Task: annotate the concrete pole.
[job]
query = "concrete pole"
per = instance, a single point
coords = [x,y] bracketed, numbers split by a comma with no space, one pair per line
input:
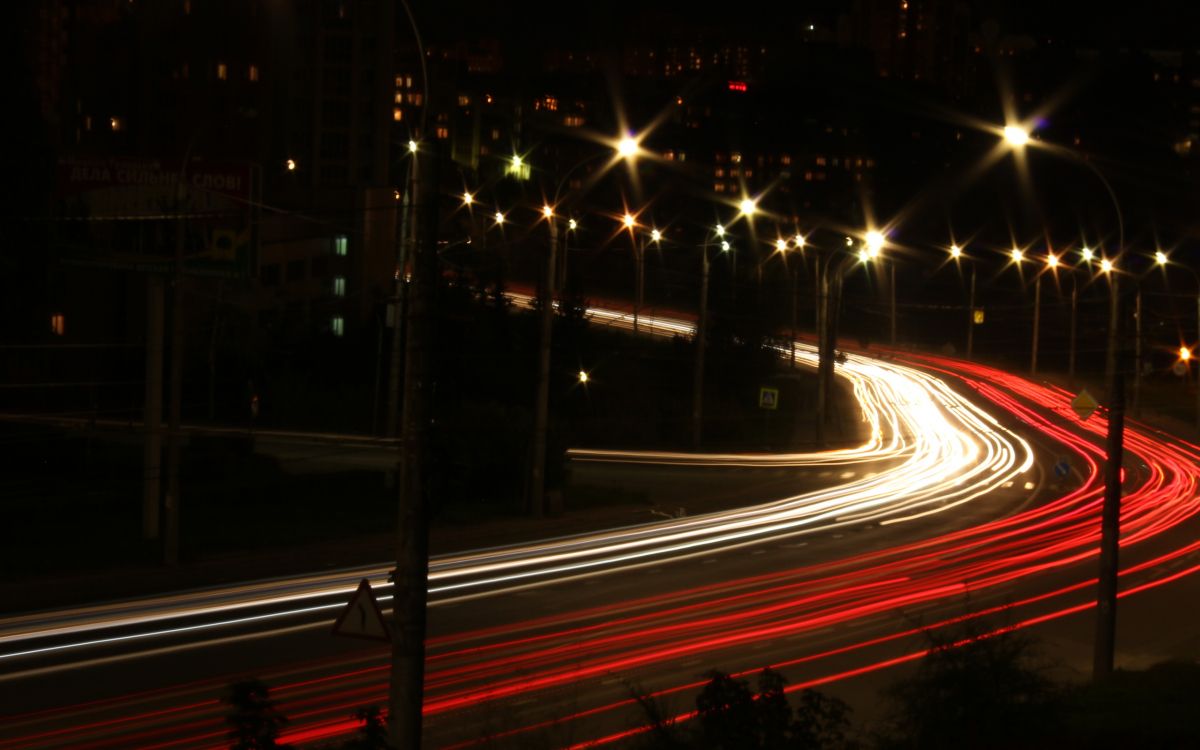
[172,501]
[411,575]
[1037,323]
[639,258]
[1074,323]
[152,455]
[795,302]
[698,366]
[971,316]
[1137,356]
[537,474]
[892,268]
[408,209]
[1110,517]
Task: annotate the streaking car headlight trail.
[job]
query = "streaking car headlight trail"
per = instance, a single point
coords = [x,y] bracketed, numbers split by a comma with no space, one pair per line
[948,452]
[837,616]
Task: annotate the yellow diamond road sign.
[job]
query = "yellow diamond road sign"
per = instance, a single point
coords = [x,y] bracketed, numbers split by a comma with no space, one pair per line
[1084,404]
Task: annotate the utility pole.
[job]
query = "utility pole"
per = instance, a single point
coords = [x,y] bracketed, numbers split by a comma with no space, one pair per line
[1198,371]
[171,504]
[411,575]
[892,268]
[152,452]
[1137,357]
[698,366]
[403,252]
[1037,322]
[639,252]
[1071,345]
[1110,516]
[795,302]
[971,315]
[537,476]
[831,287]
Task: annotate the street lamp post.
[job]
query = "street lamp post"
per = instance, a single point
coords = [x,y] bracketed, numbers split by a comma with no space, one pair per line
[542,398]
[971,316]
[1106,593]
[701,340]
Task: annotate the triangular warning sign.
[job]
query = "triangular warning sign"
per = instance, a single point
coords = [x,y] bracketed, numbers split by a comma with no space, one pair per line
[1084,404]
[361,618]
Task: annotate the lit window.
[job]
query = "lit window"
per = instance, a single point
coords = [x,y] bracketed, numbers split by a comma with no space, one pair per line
[187,7]
[222,71]
[399,81]
[397,114]
[87,122]
[337,325]
[443,133]
[463,100]
[736,158]
[785,159]
[57,324]
[821,161]
[340,244]
[408,82]
[339,286]
[719,187]
[495,134]
[252,73]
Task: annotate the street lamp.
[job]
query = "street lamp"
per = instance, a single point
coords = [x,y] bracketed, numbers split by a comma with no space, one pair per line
[1185,353]
[956,254]
[537,483]
[1017,138]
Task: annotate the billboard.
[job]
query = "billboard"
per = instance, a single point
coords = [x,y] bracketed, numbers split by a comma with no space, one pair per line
[127,213]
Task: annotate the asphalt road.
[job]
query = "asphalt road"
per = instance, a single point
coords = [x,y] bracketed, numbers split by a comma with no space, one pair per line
[839,602]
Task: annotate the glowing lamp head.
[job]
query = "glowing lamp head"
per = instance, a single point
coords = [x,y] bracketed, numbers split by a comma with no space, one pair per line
[1016,136]
[583,377]
[720,231]
[1160,257]
[874,240]
[290,164]
[628,221]
[955,251]
[1087,254]
[799,241]
[1017,255]
[412,146]
[499,217]
[655,235]
[724,246]
[1184,354]
[627,147]
[467,198]
[864,255]
[572,224]
[748,206]
[1051,260]
[780,245]
[547,211]
[517,161]
[1106,265]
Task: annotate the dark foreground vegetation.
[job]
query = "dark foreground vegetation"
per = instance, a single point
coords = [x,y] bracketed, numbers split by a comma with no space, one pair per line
[987,693]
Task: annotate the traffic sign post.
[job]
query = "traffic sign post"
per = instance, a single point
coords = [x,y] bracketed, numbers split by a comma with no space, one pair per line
[1062,468]
[768,398]
[1084,405]
[362,618]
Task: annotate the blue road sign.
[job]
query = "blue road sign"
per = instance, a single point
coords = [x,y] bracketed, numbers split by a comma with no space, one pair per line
[1062,468]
